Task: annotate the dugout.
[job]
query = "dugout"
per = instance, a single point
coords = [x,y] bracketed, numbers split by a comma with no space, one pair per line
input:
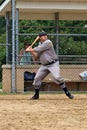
[14,10]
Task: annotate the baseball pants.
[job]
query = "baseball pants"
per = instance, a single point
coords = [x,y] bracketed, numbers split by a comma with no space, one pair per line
[44,70]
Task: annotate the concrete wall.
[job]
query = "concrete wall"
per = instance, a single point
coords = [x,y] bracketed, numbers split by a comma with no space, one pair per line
[69,72]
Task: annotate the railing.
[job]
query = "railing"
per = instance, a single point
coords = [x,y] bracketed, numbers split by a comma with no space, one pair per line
[67,59]
[73,59]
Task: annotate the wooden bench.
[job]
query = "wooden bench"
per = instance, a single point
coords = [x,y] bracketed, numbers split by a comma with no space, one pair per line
[71,75]
[69,72]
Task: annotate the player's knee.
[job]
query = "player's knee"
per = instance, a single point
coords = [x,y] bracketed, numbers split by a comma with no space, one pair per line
[60,80]
[37,82]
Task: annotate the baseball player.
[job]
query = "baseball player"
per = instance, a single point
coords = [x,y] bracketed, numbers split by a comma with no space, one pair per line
[49,64]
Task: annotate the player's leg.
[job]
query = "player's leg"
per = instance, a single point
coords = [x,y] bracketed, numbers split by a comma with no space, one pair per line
[55,71]
[40,75]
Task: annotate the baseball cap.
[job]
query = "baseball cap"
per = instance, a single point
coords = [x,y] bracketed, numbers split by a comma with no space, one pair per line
[42,34]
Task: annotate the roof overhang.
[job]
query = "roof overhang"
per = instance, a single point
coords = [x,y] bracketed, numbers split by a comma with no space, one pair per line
[46,9]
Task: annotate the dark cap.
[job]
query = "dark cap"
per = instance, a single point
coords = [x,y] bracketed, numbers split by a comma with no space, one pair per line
[42,34]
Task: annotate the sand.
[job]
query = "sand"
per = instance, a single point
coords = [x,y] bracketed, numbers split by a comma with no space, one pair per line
[50,112]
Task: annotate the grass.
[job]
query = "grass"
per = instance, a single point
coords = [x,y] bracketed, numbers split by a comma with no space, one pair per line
[0,85]
[43,92]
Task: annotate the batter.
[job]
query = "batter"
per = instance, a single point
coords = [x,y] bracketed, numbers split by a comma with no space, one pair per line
[49,64]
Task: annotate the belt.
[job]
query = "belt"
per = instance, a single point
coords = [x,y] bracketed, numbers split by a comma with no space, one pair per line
[51,62]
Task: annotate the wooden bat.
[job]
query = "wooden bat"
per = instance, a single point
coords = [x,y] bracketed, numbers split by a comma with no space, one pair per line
[33,43]
[35,40]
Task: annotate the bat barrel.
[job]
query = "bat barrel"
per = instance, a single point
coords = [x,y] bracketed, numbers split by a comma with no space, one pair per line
[35,40]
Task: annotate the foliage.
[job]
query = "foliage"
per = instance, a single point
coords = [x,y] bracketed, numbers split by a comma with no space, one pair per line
[72,45]
[2,25]
[1,1]
[0,85]
[32,27]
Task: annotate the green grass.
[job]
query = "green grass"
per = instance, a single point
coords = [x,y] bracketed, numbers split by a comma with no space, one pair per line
[0,85]
[43,92]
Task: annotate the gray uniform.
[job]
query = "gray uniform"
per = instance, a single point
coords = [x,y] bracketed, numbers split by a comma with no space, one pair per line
[49,64]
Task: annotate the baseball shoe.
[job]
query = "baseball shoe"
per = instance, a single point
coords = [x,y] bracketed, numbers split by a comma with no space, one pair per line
[35,97]
[68,94]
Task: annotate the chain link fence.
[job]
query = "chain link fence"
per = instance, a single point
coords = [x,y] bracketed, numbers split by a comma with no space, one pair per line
[70,48]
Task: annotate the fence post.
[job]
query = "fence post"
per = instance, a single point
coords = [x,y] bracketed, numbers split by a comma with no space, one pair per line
[57,32]
[13,46]
[17,36]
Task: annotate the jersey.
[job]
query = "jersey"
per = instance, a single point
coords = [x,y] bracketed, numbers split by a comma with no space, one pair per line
[46,52]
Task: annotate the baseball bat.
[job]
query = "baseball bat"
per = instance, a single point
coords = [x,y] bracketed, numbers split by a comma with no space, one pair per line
[35,40]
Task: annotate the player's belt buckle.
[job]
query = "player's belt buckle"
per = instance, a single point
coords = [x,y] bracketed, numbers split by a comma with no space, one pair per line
[51,62]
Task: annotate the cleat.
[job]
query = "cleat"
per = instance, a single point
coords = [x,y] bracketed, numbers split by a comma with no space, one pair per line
[35,97]
[69,95]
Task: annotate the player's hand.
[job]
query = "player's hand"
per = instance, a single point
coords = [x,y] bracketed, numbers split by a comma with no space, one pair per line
[29,48]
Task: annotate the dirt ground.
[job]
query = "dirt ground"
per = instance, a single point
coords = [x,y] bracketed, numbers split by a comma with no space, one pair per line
[50,112]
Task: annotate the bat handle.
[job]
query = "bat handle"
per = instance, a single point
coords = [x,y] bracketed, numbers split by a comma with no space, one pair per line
[35,40]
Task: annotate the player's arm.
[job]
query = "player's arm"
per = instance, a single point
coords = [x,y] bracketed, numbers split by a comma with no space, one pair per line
[32,51]
[44,46]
